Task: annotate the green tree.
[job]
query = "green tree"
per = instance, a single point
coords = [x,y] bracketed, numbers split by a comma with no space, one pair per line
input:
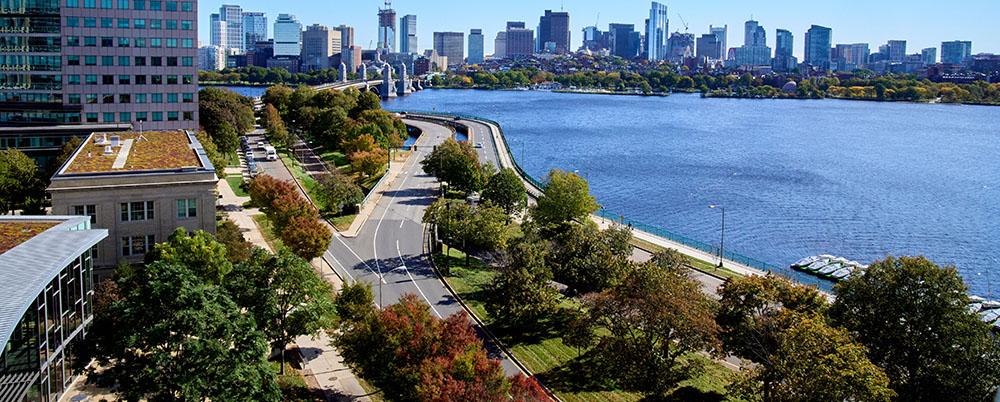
[506,190]
[275,128]
[655,316]
[520,295]
[481,228]
[169,321]
[590,260]
[913,316]
[366,101]
[199,251]
[219,161]
[18,180]
[65,152]
[457,164]
[567,198]
[285,296]
[338,191]
[225,115]
[278,96]
[355,303]
[238,249]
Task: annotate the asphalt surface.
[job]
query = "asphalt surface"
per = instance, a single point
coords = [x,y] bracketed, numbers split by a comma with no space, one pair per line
[389,252]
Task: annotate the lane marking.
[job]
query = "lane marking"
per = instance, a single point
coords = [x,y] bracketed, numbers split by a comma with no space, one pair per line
[414,281]
[341,266]
[355,255]
[379,225]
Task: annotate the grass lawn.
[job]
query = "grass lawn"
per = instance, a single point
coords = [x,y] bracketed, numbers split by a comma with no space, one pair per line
[236,183]
[234,159]
[559,366]
[267,229]
[337,158]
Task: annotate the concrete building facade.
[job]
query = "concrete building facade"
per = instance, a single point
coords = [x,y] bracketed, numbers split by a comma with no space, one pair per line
[319,42]
[452,46]
[476,52]
[553,27]
[408,34]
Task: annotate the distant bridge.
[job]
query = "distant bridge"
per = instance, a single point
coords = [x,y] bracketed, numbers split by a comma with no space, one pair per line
[385,88]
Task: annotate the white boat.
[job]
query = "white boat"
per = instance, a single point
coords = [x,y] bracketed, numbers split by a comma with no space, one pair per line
[989,316]
[805,261]
[841,274]
[829,269]
[990,305]
[816,266]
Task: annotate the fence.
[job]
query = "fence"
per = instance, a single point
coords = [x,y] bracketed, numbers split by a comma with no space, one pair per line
[664,233]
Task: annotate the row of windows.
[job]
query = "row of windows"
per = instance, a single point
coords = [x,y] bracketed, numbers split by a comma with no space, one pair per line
[125,23]
[138,61]
[108,41]
[92,79]
[137,245]
[127,117]
[153,5]
[140,211]
[92,99]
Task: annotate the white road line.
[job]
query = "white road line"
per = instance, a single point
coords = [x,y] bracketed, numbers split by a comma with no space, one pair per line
[414,281]
[401,222]
[379,225]
[357,256]
[334,258]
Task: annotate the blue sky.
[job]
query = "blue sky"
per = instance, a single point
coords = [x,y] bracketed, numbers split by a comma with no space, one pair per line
[923,23]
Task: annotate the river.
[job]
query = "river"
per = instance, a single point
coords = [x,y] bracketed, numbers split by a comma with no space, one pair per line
[861,180]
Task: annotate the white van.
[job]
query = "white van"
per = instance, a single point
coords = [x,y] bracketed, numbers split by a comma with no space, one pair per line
[270,153]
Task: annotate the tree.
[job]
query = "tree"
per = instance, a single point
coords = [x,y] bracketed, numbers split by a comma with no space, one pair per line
[168,321]
[337,191]
[755,311]
[277,133]
[285,296]
[655,316]
[199,251]
[590,260]
[279,96]
[355,304]
[913,316]
[411,355]
[366,101]
[368,163]
[482,228]
[520,295]
[288,207]
[457,164]
[307,237]
[264,190]
[65,152]
[18,180]
[567,198]
[361,143]
[238,249]
[219,161]
[506,190]
[225,115]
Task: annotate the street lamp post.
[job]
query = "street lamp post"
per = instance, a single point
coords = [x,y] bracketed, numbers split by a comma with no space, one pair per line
[722,241]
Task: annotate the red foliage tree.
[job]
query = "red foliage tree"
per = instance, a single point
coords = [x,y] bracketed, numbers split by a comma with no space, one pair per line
[264,190]
[289,206]
[307,237]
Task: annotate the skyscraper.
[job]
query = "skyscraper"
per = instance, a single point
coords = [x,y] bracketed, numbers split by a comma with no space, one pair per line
[929,55]
[709,47]
[593,39]
[956,52]
[408,34]
[722,34]
[520,41]
[849,57]
[818,43]
[754,34]
[451,45]
[230,34]
[254,29]
[346,36]
[387,27]
[554,27]
[500,45]
[476,53]
[754,51]
[656,32]
[897,51]
[679,47]
[287,36]
[623,41]
[64,72]
[317,46]
[784,45]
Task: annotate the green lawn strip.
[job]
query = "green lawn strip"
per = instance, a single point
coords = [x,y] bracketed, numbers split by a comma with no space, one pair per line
[236,183]
[336,158]
[267,230]
[233,159]
[308,182]
[548,355]
[373,394]
[700,265]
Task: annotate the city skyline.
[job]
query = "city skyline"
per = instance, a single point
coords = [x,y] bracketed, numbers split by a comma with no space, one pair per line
[850,22]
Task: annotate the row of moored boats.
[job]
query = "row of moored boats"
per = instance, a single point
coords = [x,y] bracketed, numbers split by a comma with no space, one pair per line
[837,269]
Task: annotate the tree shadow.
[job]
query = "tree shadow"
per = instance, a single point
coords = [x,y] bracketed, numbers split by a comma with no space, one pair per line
[585,373]
[687,394]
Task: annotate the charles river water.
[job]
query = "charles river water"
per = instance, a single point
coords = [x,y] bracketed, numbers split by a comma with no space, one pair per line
[861,180]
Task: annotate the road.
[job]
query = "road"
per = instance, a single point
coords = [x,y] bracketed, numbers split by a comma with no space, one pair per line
[388,252]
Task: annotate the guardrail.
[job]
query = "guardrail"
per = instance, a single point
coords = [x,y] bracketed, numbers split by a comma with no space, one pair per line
[658,231]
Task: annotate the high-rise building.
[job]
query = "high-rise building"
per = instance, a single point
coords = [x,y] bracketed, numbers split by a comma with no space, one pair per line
[721,33]
[956,52]
[59,69]
[408,34]
[254,28]
[211,58]
[48,303]
[680,46]
[784,46]
[287,36]
[476,53]
[754,51]
[657,29]
[708,47]
[520,41]
[623,40]
[754,34]
[451,45]
[227,28]
[897,50]
[594,39]
[346,36]
[500,45]
[819,41]
[351,57]
[318,46]
[387,28]
[554,27]
[849,57]
[929,55]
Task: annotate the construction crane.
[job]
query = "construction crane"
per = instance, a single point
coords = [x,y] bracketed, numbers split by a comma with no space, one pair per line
[683,22]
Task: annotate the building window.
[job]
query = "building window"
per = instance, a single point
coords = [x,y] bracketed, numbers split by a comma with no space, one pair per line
[173,116]
[140,80]
[72,22]
[171,42]
[187,43]
[123,60]
[107,22]
[137,245]
[107,41]
[72,3]
[187,208]
[139,4]
[107,4]
[72,60]
[72,41]
[188,116]
[157,116]
[140,42]
[125,98]
[157,98]
[187,25]
[123,42]
[89,3]
[109,117]
[90,60]
[73,79]
[171,62]
[171,98]
[155,42]
[156,24]
[124,79]
[156,5]
[140,98]
[74,99]
[188,98]
[91,117]
[91,99]
[187,61]
[140,61]
[86,210]
[137,211]
[171,25]
[187,6]
[89,22]
[171,80]
[123,23]
[108,79]
[91,79]
[141,116]
[123,4]
[108,98]
[125,117]
[90,41]
[139,23]
[155,61]
[171,6]
[107,60]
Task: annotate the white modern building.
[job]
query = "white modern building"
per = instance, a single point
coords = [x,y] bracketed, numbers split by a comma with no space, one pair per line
[287,36]
[254,28]
[658,29]
[211,58]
